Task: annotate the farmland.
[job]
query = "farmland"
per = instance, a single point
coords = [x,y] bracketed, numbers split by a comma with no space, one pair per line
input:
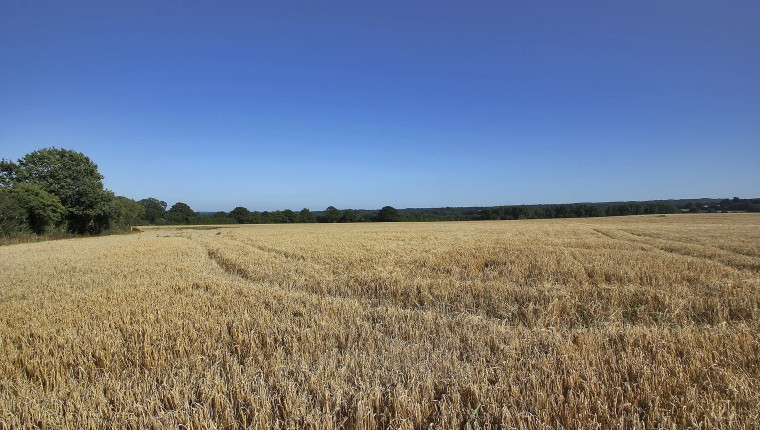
[634,322]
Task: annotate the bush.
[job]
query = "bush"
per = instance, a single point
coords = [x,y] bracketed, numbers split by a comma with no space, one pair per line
[28,208]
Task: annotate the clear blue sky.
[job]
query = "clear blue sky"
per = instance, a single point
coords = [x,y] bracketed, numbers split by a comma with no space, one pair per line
[361,104]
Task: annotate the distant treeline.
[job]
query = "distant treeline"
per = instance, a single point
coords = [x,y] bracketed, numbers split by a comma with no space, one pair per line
[733,205]
[576,211]
[55,191]
[242,215]
[180,213]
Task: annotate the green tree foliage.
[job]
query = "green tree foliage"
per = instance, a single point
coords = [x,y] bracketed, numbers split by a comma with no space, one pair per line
[275,217]
[305,215]
[388,214]
[44,210]
[7,173]
[216,218]
[70,176]
[125,213]
[288,216]
[580,210]
[155,209]
[181,213]
[257,217]
[13,216]
[332,214]
[738,205]
[241,215]
[28,208]
[349,216]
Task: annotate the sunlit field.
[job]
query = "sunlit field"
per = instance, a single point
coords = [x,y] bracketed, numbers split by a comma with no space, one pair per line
[632,322]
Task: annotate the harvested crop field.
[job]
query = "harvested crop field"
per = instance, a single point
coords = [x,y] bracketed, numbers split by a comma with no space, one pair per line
[631,322]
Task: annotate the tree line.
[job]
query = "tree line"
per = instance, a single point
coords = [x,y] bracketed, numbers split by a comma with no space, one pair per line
[180,213]
[60,191]
[726,205]
[54,190]
[575,210]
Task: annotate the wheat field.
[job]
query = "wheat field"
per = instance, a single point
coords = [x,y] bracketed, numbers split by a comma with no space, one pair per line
[631,322]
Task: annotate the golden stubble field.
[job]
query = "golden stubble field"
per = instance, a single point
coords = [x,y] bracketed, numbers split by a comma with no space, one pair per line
[634,322]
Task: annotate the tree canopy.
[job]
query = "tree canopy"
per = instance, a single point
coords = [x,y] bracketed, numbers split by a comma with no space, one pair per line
[71,177]
[332,214]
[125,213]
[181,213]
[155,209]
[388,214]
[241,215]
[305,215]
[28,208]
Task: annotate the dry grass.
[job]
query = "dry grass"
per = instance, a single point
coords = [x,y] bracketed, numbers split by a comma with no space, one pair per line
[637,322]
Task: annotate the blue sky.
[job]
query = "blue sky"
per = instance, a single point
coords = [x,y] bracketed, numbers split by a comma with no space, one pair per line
[361,104]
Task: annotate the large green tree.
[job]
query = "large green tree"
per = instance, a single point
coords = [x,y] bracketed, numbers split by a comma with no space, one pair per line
[155,209]
[241,215]
[181,213]
[70,176]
